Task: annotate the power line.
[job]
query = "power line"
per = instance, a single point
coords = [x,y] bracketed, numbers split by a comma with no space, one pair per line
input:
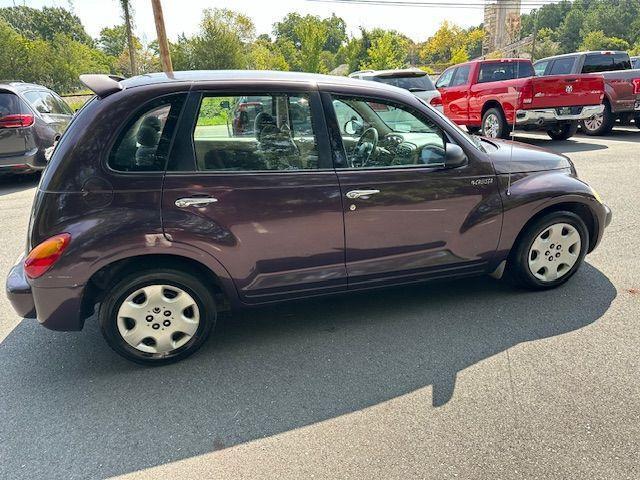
[442,4]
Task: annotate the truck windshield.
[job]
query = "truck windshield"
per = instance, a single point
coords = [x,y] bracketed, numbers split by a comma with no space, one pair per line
[413,83]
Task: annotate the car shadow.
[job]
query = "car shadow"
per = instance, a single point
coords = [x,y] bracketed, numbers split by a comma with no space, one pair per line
[564,146]
[16,183]
[71,407]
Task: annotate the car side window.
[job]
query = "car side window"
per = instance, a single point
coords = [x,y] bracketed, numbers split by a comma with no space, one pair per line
[255,133]
[445,78]
[390,135]
[540,68]
[45,102]
[595,63]
[461,77]
[562,66]
[144,143]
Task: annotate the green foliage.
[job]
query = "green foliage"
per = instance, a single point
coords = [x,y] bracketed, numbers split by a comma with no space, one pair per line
[387,51]
[452,44]
[599,41]
[293,24]
[113,40]
[546,44]
[46,23]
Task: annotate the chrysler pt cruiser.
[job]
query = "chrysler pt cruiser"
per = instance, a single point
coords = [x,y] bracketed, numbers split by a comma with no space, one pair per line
[172,198]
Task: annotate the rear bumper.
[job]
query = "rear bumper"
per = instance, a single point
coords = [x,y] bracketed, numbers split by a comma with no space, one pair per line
[551,115]
[56,308]
[31,161]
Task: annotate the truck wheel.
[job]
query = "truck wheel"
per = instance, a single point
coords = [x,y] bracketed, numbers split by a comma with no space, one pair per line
[157,316]
[637,120]
[563,131]
[549,251]
[599,124]
[494,125]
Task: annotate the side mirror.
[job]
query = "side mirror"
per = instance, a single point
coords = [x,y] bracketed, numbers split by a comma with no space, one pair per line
[454,156]
[353,127]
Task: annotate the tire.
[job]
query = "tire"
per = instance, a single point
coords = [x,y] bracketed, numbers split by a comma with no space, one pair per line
[599,124]
[637,120]
[563,131]
[175,337]
[519,271]
[494,124]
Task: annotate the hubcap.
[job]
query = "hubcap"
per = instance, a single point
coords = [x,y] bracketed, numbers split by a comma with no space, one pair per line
[491,126]
[595,122]
[554,252]
[158,318]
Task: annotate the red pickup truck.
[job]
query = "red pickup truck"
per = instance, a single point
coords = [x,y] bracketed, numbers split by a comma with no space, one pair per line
[493,96]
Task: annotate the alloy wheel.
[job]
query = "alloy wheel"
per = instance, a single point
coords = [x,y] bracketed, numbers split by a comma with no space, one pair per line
[594,123]
[158,318]
[491,126]
[554,252]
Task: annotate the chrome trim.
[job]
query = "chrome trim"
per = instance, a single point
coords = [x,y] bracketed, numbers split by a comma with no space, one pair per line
[548,115]
[194,202]
[364,194]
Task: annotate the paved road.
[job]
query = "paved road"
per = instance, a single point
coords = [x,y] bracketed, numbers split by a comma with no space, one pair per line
[464,380]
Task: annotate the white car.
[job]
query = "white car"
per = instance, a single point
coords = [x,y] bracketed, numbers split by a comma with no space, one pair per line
[415,80]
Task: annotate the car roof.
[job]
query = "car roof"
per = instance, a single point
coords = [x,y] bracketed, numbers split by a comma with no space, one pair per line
[18,86]
[575,54]
[104,85]
[390,72]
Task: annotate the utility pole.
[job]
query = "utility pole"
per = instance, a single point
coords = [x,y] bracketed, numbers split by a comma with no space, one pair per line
[163,43]
[132,49]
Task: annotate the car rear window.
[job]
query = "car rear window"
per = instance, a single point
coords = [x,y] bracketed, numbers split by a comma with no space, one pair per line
[500,71]
[562,66]
[46,102]
[144,143]
[413,83]
[606,62]
[10,104]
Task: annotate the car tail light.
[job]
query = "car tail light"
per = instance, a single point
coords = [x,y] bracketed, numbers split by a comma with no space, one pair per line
[526,94]
[436,102]
[16,120]
[42,257]
[636,86]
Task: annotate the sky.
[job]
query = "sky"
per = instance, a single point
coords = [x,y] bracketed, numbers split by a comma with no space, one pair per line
[183,16]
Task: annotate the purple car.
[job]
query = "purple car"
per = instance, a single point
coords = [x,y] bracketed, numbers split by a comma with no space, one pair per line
[156,215]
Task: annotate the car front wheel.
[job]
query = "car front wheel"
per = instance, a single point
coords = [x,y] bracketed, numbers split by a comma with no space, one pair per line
[157,316]
[549,252]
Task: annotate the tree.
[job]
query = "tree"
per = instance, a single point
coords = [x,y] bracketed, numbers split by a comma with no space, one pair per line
[599,41]
[546,44]
[265,56]
[223,42]
[460,56]
[569,33]
[113,40]
[289,27]
[312,35]
[387,51]
[128,24]
[352,54]
[46,23]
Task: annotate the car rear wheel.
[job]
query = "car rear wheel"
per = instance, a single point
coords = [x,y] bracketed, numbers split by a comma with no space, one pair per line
[549,252]
[494,124]
[563,131]
[599,124]
[157,316]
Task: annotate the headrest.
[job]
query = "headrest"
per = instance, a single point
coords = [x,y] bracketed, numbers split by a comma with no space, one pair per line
[149,132]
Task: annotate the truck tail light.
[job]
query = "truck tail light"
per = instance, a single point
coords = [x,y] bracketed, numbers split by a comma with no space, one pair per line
[42,257]
[436,102]
[526,94]
[636,86]
[16,120]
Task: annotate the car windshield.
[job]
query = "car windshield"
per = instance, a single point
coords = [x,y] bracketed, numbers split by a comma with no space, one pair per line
[413,83]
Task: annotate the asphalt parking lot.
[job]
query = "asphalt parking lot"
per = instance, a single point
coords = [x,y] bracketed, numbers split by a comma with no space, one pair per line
[470,379]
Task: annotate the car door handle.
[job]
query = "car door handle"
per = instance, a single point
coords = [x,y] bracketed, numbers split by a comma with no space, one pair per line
[195,202]
[364,194]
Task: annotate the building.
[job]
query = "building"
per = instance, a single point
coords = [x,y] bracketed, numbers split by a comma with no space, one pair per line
[502,23]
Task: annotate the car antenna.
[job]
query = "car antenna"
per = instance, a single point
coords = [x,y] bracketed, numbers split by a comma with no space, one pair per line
[513,127]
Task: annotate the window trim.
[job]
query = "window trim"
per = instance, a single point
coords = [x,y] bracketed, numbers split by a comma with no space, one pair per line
[131,119]
[188,123]
[332,124]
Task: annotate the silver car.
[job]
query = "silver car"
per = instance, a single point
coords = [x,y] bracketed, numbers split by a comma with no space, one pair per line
[415,80]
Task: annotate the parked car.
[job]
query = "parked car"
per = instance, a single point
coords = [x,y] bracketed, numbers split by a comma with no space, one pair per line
[622,84]
[415,80]
[635,63]
[32,119]
[494,96]
[157,229]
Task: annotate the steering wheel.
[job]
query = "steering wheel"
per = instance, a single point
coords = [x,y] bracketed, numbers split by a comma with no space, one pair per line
[364,149]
